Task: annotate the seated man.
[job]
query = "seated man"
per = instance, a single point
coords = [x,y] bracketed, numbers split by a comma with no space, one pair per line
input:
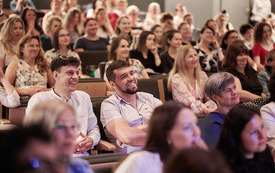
[126,113]
[221,88]
[65,72]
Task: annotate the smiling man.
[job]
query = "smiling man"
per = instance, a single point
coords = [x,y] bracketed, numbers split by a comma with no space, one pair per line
[65,72]
[125,114]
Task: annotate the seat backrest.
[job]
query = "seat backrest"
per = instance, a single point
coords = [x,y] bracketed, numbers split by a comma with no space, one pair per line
[101,67]
[92,58]
[149,86]
[95,87]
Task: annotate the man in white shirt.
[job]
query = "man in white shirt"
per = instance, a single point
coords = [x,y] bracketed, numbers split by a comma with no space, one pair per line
[65,72]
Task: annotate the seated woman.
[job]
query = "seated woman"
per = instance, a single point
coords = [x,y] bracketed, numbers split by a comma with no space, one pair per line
[186,34]
[11,32]
[30,20]
[61,44]
[264,76]
[31,73]
[59,119]
[221,88]
[243,142]
[8,95]
[105,29]
[90,41]
[120,51]
[172,127]
[262,43]
[228,38]
[268,116]
[209,51]
[172,41]
[186,81]
[235,62]
[152,16]
[147,52]
[158,32]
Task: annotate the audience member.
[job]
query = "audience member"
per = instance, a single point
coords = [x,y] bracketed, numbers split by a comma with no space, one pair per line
[158,32]
[17,6]
[53,23]
[105,29]
[11,32]
[172,40]
[264,76]
[243,142]
[31,73]
[221,25]
[270,19]
[73,24]
[235,62]
[246,31]
[118,11]
[188,18]
[268,116]
[180,12]
[227,38]
[166,21]
[260,9]
[8,95]
[196,160]
[65,72]
[152,16]
[186,34]
[3,15]
[172,127]
[90,41]
[30,20]
[221,88]
[120,51]
[147,52]
[132,12]
[208,49]
[126,113]
[68,4]
[263,43]
[186,81]
[91,7]
[59,119]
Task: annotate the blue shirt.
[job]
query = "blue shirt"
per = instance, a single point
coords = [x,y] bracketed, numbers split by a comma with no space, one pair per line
[78,165]
[211,127]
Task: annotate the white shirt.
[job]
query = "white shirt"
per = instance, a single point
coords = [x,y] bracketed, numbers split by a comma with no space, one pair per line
[141,162]
[83,107]
[9,100]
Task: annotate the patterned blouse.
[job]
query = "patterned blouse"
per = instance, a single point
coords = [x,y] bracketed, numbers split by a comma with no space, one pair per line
[28,78]
[192,97]
[51,54]
[208,63]
[135,64]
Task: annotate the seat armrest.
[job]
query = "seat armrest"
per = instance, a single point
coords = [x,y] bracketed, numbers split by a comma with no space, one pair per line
[105,146]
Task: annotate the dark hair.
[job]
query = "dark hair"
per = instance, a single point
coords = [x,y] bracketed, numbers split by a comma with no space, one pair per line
[162,120]
[188,14]
[208,21]
[236,48]
[181,24]
[15,141]
[245,27]
[87,20]
[155,27]
[23,16]
[166,16]
[56,39]
[269,58]
[225,37]
[196,160]
[258,31]
[114,66]
[59,62]
[207,27]
[168,35]
[230,142]
[115,43]
[142,40]
[271,86]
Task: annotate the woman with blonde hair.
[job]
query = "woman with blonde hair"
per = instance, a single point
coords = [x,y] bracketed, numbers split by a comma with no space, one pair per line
[186,81]
[152,16]
[31,73]
[59,119]
[11,32]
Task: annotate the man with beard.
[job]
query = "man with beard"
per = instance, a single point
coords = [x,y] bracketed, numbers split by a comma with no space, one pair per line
[125,114]
[66,75]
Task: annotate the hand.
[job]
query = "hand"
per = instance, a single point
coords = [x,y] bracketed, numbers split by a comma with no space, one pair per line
[83,144]
[263,95]
[200,143]
[143,127]
[35,90]
[215,44]
[154,49]
[149,70]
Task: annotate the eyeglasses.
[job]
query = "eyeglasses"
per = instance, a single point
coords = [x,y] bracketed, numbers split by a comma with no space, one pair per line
[59,58]
[32,45]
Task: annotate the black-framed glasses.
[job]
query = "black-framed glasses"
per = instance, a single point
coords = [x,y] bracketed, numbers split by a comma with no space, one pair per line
[59,58]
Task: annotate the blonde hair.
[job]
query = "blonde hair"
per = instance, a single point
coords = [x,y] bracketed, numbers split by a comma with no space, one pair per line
[7,35]
[180,68]
[45,114]
[49,23]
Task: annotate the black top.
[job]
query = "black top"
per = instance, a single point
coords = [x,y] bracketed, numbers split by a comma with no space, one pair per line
[167,62]
[147,63]
[193,43]
[249,81]
[91,45]
[46,42]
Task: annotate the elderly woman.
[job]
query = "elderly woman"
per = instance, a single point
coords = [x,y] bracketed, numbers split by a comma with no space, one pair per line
[60,121]
[264,76]
[152,16]
[243,142]
[186,81]
[31,73]
[172,127]
[268,116]
[221,88]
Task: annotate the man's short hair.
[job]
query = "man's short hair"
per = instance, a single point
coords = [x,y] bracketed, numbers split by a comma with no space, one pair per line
[113,66]
[244,28]
[61,61]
